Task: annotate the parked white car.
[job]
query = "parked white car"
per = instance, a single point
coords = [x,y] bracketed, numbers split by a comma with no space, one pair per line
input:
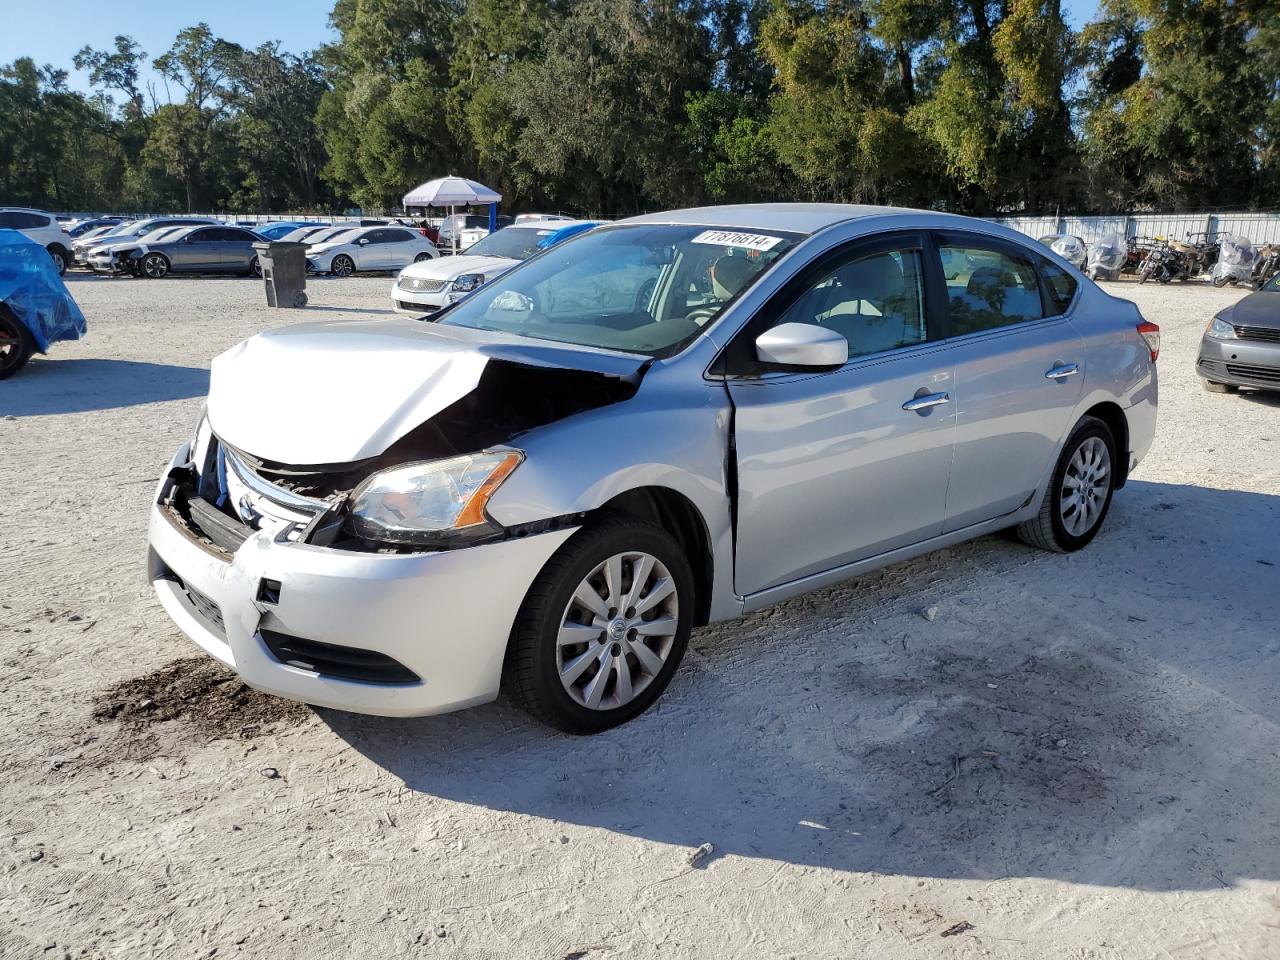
[369,248]
[41,227]
[432,285]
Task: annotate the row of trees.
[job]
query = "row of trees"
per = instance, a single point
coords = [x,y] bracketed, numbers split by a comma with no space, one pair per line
[613,106]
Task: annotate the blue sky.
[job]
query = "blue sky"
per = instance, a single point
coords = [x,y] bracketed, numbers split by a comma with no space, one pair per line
[52,31]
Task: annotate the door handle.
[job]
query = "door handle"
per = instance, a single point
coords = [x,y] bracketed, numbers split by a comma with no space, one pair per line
[1062,371]
[926,401]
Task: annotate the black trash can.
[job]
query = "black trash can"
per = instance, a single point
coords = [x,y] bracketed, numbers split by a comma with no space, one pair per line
[284,272]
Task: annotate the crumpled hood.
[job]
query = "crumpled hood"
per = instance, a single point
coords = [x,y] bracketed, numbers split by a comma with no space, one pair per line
[338,391]
[450,268]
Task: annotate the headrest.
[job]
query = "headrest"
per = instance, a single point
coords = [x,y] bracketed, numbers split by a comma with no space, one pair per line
[729,274]
[875,279]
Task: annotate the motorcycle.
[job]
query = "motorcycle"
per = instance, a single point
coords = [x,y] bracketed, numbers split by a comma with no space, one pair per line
[1162,264]
[1070,249]
[1235,261]
[1107,257]
[1266,266]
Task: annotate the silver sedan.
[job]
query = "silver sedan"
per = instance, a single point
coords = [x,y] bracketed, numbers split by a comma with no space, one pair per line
[668,421]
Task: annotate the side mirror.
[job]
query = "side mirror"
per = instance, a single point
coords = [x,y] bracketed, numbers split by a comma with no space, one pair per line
[362,241]
[802,345]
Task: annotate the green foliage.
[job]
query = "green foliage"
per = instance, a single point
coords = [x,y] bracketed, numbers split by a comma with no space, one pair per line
[615,106]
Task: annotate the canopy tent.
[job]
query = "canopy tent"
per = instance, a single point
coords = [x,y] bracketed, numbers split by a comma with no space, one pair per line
[454,192]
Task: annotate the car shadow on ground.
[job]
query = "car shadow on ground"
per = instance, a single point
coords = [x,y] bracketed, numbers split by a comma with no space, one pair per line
[1107,717]
[48,385]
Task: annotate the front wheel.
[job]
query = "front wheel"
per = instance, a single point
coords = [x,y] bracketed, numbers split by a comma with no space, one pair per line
[1214,387]
[1079,493]
[255,268]
[342,266]
[16,343]
[154,266]
[603,627]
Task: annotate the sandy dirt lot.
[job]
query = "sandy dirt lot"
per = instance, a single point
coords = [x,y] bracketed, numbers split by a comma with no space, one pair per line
[1079,757]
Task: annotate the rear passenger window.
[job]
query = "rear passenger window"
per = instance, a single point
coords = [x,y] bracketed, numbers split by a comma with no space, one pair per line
[989,289]
[1061,287]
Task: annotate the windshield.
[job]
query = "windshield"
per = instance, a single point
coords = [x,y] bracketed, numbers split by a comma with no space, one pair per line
[1273,285]
[639,288]
[516,243]
[161,232]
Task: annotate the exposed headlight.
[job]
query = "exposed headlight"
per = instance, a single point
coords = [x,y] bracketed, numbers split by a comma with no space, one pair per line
[1219,329]
[420,502]
[468,282]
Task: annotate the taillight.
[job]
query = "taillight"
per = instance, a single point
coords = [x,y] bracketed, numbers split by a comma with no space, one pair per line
[1149,332]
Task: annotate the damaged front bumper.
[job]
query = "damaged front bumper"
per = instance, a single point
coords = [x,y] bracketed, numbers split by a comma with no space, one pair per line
[390,634]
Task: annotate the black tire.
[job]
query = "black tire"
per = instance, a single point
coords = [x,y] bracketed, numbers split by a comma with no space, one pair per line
[1214,387]
[16,343]
[342,266]
[1220,281]
[255,268]
[1047,529]
[153,266]
[532,678]
[60,257]
[422,256]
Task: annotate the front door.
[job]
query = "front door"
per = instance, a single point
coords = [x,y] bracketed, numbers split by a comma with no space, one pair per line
[1019,368]
[838,466]
[199,251]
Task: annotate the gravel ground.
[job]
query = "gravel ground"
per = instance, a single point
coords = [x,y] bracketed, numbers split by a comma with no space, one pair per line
[1078,757]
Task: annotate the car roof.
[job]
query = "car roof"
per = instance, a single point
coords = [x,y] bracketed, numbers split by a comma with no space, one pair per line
[793,217]
[550,226]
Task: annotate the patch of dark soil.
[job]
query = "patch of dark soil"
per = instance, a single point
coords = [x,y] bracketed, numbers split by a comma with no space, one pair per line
[199,692]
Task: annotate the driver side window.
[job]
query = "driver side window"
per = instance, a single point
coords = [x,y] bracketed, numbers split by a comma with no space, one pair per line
[875,301]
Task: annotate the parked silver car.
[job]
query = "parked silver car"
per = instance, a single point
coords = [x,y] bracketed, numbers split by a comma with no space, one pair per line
[215,249]
[667,421]
[1241,345]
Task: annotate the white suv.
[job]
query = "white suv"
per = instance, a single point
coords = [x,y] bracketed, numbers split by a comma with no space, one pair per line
[43,228]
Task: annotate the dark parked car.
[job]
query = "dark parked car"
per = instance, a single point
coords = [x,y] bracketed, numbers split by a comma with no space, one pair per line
[213,249]
[1241,346]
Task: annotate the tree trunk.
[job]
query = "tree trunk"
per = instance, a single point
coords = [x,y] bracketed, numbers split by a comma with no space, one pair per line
[904,71]
[191,193]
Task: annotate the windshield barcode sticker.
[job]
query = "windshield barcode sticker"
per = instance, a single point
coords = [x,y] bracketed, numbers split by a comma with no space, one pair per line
[728,238]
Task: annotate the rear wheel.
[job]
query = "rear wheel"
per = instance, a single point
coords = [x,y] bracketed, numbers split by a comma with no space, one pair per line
[422,256]
[342,266]
[1214,387]
[1079,493]
[154,266]
[603,628]
[59,257]
[16,343]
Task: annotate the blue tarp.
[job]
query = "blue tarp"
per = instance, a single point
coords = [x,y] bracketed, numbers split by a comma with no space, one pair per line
[31,288]
[564,233]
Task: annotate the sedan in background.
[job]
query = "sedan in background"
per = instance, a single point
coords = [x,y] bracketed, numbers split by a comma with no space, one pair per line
[219,249]
[1241,346]
[84,252]
[426,287]
[369,249]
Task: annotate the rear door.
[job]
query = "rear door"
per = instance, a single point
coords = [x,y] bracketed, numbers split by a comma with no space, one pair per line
[398,249]
[1019,368]
[838,466]
[235,249]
